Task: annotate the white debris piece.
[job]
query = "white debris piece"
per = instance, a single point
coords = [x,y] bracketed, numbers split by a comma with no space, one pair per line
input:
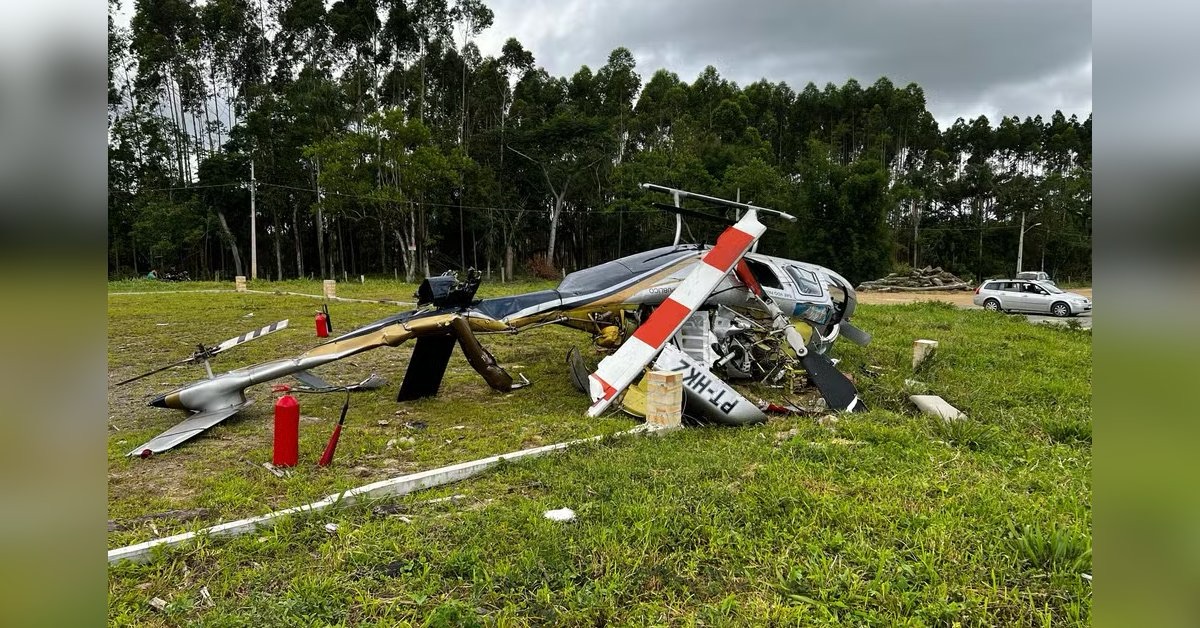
[158,603]
[935,405]
[331,528]
[562,514]
[922,350]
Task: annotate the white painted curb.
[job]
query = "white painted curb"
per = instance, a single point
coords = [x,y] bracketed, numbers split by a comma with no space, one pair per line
[395,486]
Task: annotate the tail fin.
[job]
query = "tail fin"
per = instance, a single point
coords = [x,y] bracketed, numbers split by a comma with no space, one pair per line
[426,368]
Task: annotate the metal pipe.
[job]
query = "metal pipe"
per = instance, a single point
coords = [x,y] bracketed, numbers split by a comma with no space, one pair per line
[678,222]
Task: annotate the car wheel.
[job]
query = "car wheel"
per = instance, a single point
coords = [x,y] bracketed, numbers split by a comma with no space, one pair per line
[1060,309]
[991,305]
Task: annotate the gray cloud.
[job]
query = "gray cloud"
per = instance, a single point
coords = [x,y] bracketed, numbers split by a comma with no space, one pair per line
[972,57]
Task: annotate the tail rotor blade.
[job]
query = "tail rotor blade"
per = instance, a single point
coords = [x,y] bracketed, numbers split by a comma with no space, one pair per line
[203,353]
[250,335]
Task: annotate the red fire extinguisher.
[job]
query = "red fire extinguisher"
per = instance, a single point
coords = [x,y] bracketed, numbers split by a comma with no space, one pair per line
[287,432]
[322,325]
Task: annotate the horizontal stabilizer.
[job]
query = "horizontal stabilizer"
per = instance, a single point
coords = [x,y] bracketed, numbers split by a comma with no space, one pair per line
[308,378]
[190,427]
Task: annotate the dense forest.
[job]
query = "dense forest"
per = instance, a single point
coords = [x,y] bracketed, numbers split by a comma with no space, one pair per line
[372,137]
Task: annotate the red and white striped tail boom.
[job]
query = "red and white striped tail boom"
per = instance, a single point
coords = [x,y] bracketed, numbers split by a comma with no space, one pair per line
[617,371]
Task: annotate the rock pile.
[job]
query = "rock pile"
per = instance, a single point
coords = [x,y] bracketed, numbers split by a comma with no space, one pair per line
[924,279]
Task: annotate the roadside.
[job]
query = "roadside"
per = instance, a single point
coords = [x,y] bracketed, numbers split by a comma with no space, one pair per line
[963,300]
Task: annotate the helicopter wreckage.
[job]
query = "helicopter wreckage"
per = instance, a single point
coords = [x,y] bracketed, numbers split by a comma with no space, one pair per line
[714,312]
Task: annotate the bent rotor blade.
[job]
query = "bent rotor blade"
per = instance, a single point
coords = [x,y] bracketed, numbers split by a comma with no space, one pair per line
[839,392]
[250,335]
[190,427]
[617,371]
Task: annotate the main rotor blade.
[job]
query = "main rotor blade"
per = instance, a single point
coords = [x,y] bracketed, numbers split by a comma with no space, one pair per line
[617,371]
[693,213]
[250,335]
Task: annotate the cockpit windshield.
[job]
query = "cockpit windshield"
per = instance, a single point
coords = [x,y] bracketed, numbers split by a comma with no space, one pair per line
[806,282]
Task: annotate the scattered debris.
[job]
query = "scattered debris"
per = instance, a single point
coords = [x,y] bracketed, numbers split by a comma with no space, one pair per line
[331,528]
[277,472]
[843,441]
[390,462]
[158,604]
[143,586]
[403,440]
[781,436]
[449,498]
[936,406]
[562,514]
[383,423]
[387,510]
[250,315]
[361,471]
[415,425]
[459,427]
[916,280]
[829,421]
[875,370]
[206,597]
[915,385]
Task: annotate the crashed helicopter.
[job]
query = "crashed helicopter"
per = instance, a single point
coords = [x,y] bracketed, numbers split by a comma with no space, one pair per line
[716,313]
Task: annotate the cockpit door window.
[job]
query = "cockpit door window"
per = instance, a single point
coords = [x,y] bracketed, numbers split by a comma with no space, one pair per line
[763,274]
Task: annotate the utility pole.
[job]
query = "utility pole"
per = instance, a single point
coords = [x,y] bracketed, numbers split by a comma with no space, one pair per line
[916,219]
[253,230]
[1021,241]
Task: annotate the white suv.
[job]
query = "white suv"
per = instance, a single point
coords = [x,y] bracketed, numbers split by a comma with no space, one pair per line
[1041,297]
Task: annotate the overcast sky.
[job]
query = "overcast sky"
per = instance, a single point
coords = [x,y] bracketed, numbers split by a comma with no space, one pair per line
[991,57]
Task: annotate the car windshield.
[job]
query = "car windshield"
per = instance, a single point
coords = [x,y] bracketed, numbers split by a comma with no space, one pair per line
[1049,287]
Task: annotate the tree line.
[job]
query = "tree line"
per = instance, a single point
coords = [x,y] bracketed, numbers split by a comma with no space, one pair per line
[383,143]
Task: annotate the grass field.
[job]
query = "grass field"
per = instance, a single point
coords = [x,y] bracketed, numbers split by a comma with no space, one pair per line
[885,518]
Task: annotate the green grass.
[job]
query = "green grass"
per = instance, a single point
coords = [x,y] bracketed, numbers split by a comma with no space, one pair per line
[885,518]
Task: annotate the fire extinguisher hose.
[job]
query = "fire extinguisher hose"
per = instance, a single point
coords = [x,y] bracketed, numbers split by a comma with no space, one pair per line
[327,456]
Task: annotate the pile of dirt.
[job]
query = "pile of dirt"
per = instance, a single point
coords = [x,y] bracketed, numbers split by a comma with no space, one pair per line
[917,280]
